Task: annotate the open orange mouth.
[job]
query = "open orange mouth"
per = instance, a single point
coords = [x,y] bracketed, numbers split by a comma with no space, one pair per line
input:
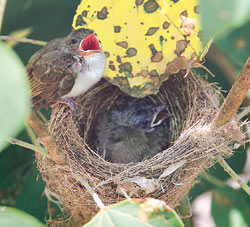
[90,45]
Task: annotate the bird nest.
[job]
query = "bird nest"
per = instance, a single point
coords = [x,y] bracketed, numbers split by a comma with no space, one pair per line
[169,175]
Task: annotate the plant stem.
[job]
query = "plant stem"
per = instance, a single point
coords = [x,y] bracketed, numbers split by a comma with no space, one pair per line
[31,134]
[2,9]
[43,118]
[243,113]
[23,40]
[235,97]
[228,111]
[239,180]
[37,149]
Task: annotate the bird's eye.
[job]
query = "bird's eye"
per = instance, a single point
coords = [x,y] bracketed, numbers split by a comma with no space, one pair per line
[73,41]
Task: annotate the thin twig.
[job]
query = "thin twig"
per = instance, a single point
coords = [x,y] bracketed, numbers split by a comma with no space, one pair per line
[238,179]
[37,149]
[235,97]
[43,118]
[2,9]
[23,40]
[31,134]
[91,191]
[243,113]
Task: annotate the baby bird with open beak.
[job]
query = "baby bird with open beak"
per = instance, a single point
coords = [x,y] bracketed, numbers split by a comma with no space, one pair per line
[65,68]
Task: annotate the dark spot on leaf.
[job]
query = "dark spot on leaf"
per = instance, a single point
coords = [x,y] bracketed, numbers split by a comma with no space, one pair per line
[117,29]
[157,57]
[154,72]
[174,1]
[200,34]
[181,45]
[112,67]
[125,67]
[197,9]
[123,44]
[111,62]
[152,48]
[101,15]
[165,25]
[184,13]
[152,31]
[80,21]
[131,52]
[151,6]
[107,54]
[118,59]
[84,13]
[139,2]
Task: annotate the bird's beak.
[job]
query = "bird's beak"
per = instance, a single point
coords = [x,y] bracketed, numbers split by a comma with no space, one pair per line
[90,45]
[160,115]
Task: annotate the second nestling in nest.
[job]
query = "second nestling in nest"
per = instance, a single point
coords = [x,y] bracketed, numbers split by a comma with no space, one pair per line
[132,131]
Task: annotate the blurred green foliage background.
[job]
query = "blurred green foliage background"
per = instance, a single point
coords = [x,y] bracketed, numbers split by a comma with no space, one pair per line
[20,184]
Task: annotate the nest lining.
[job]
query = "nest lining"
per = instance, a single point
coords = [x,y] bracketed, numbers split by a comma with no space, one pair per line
[168,175]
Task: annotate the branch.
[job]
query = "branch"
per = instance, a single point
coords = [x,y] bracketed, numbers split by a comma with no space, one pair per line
[37,149]
[235,97]
[2,9]
[31,134]
[240,181]
[23,40]
[228,111]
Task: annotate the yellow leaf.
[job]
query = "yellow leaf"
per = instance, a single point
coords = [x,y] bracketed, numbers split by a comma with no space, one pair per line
[140,38]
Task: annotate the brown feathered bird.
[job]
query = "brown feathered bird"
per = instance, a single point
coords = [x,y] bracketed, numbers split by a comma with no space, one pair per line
[65,68]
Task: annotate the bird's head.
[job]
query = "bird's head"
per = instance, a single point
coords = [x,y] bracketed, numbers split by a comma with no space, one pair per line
[84,42]
[140,114]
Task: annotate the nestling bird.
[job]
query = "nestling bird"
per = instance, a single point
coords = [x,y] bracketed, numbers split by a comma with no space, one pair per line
[65,68]
[132,133]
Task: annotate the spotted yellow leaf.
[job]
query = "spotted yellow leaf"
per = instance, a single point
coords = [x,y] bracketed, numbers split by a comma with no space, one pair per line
[144,41]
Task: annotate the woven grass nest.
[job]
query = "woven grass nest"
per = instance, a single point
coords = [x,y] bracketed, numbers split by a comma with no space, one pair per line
[168,175]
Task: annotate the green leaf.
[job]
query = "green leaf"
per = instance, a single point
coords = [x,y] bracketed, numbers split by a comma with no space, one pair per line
[236,45]
[31,198]
[219,16]
[20,184]
[137,213]
[230,207]
[14,94]
[17,218]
